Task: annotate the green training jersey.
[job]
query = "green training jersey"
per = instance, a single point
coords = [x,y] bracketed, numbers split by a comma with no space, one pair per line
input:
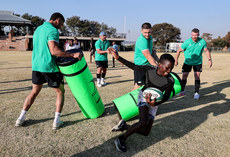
[142,44]
[193,51]
[102,45]
[42,59]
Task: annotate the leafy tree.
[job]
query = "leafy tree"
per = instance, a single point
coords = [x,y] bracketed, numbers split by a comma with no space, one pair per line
[87,28]
[73,24]
[27,16]
[94,28]
[227,37]
[84,28]
[219,42]
[208,38]
[163,33]
[36,20]
[111,31]
[64,31]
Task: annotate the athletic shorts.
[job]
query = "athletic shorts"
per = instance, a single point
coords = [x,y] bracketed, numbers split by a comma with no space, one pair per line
[92,52]
[188,68]
[152,109]
[103,64]
[53,79]
[139,77]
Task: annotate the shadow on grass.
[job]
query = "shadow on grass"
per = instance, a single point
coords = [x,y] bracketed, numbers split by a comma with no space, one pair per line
[14,90]
[207,95]
[16,81]
[66,123]
[174,126]
[16,68]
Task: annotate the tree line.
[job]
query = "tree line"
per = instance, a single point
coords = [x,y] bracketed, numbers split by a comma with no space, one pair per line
[162,33]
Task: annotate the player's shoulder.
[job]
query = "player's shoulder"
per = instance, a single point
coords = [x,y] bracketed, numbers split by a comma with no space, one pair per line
[202,40]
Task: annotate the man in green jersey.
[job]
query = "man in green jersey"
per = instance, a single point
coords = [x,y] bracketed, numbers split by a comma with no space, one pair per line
[193,48]
[101,58]
[44,67]
[143,54]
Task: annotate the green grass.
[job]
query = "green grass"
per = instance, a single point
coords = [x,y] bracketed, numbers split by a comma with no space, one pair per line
[183,127]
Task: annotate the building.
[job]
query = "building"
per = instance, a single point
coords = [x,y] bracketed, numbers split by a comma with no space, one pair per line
[10,40]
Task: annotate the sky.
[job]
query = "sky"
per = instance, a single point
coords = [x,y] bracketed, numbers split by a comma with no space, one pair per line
[209,16]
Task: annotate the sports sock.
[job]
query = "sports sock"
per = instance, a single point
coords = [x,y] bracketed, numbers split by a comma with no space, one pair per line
[103,75]
[197,86]
[183,84]
[98,78]
[57,117]
[22,115]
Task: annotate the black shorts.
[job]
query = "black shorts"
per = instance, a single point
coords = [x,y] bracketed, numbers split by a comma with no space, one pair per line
[53,79]
[103,64]
[139,77]
[188,68]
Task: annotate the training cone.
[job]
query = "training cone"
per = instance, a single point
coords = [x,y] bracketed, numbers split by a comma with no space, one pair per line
[80,81]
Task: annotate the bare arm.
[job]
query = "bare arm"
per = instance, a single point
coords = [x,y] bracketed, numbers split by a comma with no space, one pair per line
[56,51]
[208,54]
[177,55]
[102,52]
[149,57]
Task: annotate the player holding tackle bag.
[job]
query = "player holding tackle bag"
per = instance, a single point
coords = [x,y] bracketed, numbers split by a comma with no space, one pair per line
[157,77]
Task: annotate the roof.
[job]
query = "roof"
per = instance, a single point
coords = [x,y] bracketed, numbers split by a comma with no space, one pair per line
[8,18]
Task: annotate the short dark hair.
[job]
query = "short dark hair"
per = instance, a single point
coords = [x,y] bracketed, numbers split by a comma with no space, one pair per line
[146,25]
[168,57]
[195,30]
[57,15]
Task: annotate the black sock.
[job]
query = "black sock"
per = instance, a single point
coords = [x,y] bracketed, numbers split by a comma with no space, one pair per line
[98,76]
[183,84]
[197,86]
[103,75]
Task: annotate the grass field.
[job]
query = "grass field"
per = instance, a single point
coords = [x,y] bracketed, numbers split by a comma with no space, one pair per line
[183,127]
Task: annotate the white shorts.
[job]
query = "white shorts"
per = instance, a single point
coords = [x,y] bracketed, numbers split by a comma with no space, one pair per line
[142,102]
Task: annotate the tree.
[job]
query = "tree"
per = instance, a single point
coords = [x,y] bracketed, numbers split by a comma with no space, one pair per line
[208,38]
[84,28]
[87,28]
[227,37]
[163,33]
[111,31]
[73,24]
[219,42]
[35,20]
[64,31]
[94,28]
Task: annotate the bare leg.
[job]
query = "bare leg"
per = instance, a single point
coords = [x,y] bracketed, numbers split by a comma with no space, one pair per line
[60,97]
[31,97]
[135,86]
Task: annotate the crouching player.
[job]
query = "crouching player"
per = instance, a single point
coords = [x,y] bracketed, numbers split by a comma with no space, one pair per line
[157,77]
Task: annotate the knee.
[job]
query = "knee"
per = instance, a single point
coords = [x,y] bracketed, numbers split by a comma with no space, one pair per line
[146,132]
[143,124]
[34,93]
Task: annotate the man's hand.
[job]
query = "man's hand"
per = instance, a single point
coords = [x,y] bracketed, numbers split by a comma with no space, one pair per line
[176,62]
[210,63]
[113,52]
[148,99]
[77,55]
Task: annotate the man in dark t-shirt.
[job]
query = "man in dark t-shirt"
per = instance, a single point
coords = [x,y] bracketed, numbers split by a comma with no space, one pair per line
[91,49]
[157,77]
